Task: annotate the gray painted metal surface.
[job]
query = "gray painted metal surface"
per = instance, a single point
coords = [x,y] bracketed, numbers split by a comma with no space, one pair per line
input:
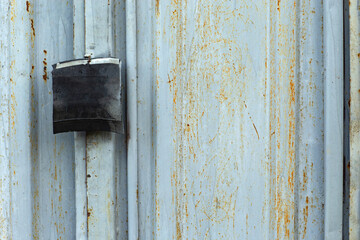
[242,96]
[234,121]
[333,117]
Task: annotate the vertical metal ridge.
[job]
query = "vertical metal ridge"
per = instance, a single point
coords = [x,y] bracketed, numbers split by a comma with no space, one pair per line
[346,135]
[268,232]
[80,185]
[22,37]
[119,26]
[80,137]
[333,128]
[54,185]
[132,118]
[101,147]
[31,7]
[309,191]
[146,123]
[298,120]
[78,28]
[282,131]
[5,140]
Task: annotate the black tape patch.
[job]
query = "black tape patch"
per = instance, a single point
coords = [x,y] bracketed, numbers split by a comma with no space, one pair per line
[87,96]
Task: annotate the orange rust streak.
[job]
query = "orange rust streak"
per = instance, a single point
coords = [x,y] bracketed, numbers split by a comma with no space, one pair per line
[256,131]
[45,67]
[278,5]
[306,214]
[27,6]
[157,5]
[32,27]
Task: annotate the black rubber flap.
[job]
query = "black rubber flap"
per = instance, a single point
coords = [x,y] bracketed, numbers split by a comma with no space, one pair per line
[87,97]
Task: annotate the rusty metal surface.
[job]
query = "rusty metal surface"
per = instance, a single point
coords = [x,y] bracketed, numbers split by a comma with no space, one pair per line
[226,121]
[36,167]
[4,123]
[237,107]
[105,152]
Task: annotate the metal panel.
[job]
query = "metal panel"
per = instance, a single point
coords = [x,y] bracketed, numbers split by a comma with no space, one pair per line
[100,146]
[354,19]
[310,160]
[237,102]
[5,180]
[103,150]
[234,115]
[132,118]
[37,167]
[333,136]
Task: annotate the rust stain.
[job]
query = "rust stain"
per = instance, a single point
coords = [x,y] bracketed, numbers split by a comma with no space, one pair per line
[13,108]
[306,215]
[292,91]
[278,5]
[89,213]
[349,102]
[108,206]
[12,12]
[191,78]
[256,131]
[247,224]
[27,6]
[282,133]
[157,8]
[178,21]
[45,77]
[55,174]
[35,215]
[32,27]
[33,34]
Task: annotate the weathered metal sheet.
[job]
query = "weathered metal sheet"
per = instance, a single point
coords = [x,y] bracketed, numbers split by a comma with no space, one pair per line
[310,123]
[133,131]
[36,167]
[237,106]
[103,150]
[5,181]
[334,118]
[354,20]
[230,121]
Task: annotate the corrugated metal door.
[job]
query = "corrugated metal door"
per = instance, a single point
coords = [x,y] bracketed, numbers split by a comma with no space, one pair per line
[235,121]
